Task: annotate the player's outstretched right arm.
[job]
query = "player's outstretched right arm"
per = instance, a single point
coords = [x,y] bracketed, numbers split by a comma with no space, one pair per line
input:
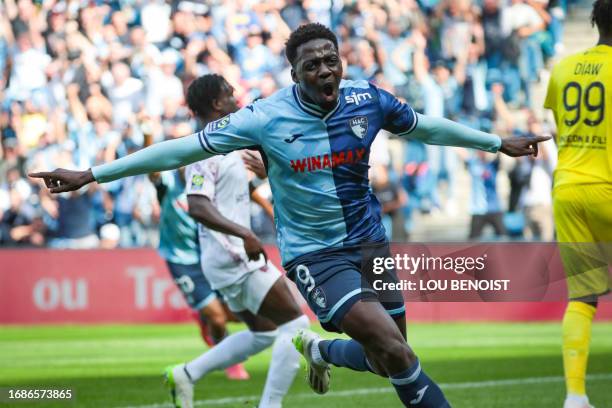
[170,154]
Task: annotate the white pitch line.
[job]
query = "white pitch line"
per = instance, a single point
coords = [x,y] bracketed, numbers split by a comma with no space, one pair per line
[366,391]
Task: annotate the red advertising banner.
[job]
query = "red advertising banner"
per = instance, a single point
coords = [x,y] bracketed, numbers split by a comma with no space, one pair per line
[54,286]
[91,286]
[133,286]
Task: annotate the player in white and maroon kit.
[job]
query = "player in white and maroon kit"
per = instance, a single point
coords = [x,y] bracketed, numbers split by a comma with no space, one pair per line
[232,261]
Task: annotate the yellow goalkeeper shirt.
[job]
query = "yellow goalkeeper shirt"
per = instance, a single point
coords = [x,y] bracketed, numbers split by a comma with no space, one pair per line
[580,96]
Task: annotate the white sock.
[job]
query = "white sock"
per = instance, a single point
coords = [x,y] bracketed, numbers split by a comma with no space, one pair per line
[284,365]
[315,354]
[233,349]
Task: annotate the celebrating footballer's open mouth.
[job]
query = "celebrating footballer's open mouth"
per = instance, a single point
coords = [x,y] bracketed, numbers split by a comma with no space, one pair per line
[329,92]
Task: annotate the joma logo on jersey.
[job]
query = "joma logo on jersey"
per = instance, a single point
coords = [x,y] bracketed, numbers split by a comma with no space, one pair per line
[357,98]
[335,159]
[293,138]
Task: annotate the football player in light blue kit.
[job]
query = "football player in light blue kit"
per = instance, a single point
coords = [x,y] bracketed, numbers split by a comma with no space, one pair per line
[315,138]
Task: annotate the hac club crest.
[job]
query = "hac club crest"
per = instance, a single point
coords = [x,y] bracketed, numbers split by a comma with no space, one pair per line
[359,126]
[318,297]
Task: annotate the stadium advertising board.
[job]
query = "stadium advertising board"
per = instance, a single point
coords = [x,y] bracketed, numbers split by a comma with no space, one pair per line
[133,286]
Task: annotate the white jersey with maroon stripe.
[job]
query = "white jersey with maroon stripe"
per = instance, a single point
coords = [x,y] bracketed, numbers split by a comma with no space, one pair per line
[223,180]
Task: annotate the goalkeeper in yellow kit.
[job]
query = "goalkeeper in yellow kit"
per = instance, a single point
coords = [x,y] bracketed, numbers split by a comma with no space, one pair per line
[580,96]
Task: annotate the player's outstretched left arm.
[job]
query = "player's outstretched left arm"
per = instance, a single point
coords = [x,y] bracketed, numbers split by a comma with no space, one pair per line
[167,155]
[440,131]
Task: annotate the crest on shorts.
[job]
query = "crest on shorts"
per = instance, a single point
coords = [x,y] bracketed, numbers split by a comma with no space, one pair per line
[219,124]
[318,297]
[359,126]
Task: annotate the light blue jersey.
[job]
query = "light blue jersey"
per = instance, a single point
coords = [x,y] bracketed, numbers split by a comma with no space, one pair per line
[178,232]
[317,162]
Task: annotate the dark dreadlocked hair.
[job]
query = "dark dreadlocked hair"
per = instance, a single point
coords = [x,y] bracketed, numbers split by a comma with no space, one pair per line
[601,16]
[305,33]
[202,92]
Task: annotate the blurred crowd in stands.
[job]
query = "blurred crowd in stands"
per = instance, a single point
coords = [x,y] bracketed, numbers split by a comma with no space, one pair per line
[82,81]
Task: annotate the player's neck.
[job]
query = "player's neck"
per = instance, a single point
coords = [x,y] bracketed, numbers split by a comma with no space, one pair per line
[605,40]
[211,118]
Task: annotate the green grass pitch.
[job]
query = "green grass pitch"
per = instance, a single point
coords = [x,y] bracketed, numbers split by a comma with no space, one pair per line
[478,365]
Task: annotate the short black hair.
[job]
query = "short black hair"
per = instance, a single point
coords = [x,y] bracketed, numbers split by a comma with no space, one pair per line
[203,91]
[305,33]
[601,16]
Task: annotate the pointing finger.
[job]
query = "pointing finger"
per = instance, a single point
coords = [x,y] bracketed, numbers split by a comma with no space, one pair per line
[41,174]
[538,139]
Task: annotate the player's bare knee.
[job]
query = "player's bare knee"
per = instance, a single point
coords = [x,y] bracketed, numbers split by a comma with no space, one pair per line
[279,304]
[215,317]
[289,311]
[391,351]
[294,311]
[396,351]
[376,344]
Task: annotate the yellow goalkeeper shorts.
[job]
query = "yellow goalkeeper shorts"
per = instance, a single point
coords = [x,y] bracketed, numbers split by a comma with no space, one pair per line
[583,219]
